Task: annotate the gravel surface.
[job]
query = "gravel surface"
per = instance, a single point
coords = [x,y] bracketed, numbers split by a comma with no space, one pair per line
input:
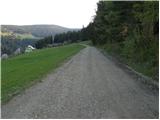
[88,86]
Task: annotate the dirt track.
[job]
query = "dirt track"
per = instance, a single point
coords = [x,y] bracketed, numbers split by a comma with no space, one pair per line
[87,86]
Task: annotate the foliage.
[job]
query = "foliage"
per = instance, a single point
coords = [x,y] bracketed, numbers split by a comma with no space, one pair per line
[70,37]
[75,36]
[9,44]
[43,42]
[130,29]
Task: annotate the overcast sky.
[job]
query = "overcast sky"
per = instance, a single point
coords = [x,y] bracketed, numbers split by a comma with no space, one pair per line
[67,13]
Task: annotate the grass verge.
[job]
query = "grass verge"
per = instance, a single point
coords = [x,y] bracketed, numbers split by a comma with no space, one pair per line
[22,71]
[88,42]
[129,57]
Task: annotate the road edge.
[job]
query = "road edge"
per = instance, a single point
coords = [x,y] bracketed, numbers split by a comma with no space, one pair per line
[40,79]
[154,85]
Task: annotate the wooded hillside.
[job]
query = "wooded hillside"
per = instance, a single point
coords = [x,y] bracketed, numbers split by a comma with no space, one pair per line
[128,30]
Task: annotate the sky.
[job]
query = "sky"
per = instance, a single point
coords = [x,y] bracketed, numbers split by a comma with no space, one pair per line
[67,13]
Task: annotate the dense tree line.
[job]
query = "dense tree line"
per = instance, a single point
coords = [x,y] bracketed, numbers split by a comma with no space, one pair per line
[115,21]
[129,29]
[69,37]
[74,36]
[9,44]
[44,42]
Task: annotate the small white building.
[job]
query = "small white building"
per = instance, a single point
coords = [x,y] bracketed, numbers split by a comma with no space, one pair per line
[29,48]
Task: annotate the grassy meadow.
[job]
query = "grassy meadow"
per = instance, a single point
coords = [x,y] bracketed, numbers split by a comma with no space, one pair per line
[22,71]
[133,59]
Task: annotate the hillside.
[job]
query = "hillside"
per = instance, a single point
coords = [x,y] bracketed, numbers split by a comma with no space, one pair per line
[14,36]
[34,30]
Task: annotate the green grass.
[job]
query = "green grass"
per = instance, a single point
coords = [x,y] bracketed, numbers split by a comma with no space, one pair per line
[22,71]
[127,55]
[25,36]
[87,42]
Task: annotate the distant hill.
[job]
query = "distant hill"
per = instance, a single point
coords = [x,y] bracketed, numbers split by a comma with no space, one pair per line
[14,36]
[34,30]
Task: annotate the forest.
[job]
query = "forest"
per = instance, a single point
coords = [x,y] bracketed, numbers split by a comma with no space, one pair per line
[128,30]
[10,44]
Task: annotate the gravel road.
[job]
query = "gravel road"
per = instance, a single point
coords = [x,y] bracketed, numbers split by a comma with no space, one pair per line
[87,86]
